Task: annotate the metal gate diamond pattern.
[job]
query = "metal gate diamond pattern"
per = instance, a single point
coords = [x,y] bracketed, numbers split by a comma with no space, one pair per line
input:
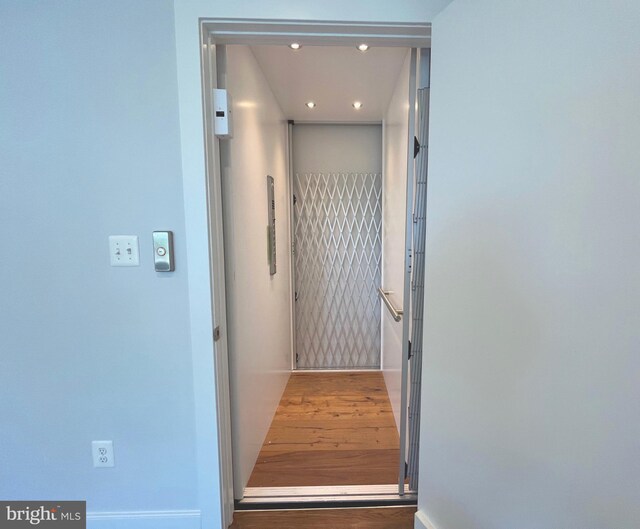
[338,247]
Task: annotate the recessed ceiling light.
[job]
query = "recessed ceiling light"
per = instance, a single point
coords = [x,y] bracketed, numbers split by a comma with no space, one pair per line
[295,45]
[310,104]
[363,47]
[357,105]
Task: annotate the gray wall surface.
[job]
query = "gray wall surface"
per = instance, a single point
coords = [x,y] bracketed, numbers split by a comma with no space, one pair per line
[337,148]
[531,365]
[90,147]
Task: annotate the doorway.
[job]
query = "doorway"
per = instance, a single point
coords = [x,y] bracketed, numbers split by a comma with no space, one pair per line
[337,245]
[347,229]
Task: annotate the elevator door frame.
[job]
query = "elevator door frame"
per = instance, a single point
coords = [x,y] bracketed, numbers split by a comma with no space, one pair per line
[215,33]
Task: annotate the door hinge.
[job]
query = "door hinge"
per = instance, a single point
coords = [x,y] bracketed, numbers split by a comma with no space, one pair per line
[416,146]
[216,333]
[295,199]
[410,350]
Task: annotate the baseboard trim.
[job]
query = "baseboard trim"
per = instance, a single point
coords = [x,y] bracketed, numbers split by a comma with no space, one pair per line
[187,519]
[422,521]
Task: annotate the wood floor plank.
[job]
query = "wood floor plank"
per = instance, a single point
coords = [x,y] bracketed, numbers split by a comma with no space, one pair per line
[330,437]
[360,383]
[333,403]
[330,429]
[329,421]
[324,467]
[369,518]
[337,413]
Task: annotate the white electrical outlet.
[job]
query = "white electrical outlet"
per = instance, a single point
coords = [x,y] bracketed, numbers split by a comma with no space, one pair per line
[124,250]
[102,453]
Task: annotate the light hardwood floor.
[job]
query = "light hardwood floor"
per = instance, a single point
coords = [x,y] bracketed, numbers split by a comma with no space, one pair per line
[330,429]
[369,518]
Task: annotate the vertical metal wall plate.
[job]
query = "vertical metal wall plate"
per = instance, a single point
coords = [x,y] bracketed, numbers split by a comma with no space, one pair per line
[163,251]
[271,204]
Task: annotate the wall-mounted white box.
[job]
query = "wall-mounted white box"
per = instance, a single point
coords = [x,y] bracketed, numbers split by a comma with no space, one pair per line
[222,109]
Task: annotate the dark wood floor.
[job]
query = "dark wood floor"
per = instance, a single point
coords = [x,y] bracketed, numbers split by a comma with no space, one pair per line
[330,429]
[370,518]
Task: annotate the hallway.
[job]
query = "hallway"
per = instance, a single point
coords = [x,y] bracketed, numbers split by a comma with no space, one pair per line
[330,429]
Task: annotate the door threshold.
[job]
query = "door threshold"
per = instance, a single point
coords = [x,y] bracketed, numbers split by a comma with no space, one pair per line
[328,497]
[336,370]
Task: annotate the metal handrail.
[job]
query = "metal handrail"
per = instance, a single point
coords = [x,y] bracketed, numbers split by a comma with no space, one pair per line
[395,313]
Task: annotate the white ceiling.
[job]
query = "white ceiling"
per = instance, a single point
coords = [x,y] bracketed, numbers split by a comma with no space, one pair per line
[333,77]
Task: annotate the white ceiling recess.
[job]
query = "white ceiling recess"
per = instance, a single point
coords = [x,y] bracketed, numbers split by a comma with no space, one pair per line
[333,77]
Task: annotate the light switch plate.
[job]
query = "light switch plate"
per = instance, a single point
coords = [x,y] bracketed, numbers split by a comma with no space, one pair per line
[124,250]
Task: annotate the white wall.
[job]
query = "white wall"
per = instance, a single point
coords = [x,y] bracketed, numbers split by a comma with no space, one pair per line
[394,200]
[530,387]
[90,147]
[258,303]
